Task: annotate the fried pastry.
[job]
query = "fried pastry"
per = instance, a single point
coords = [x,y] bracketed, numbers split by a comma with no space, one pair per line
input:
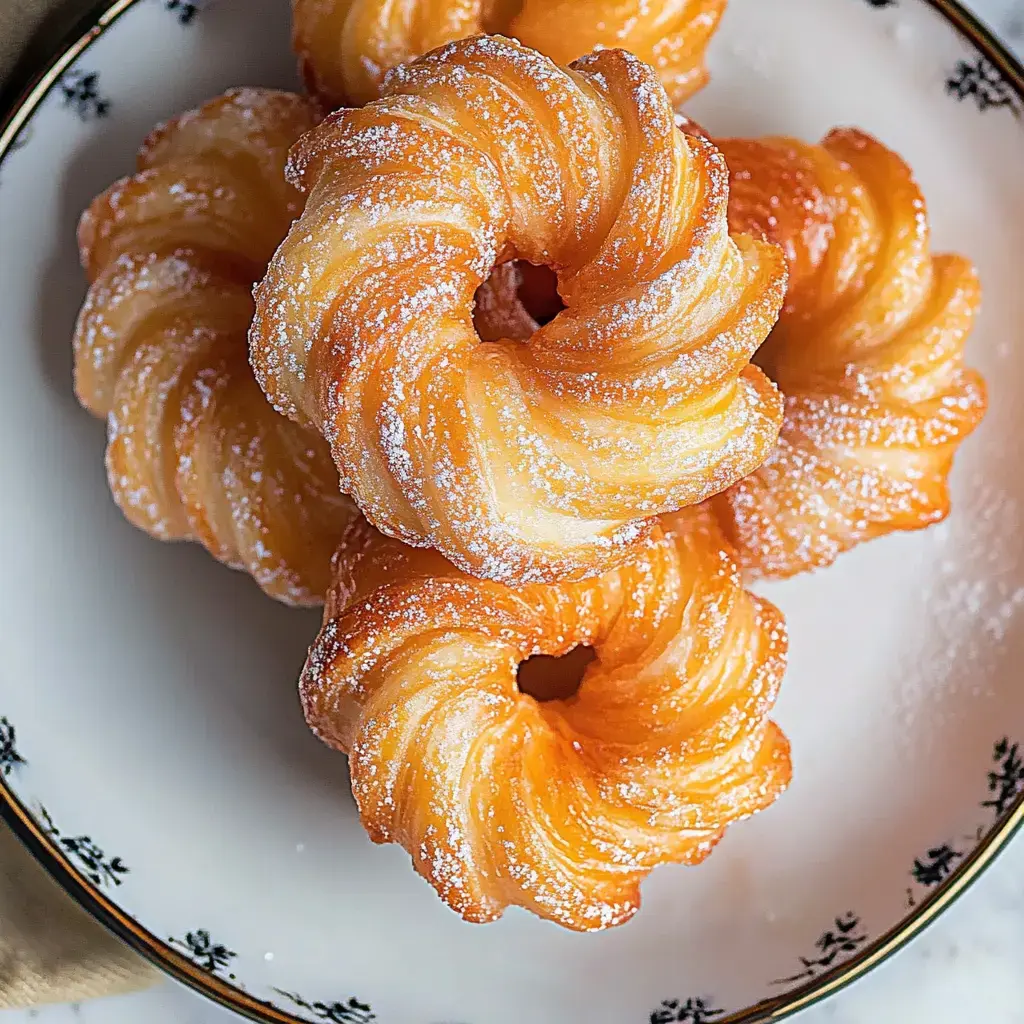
[869,352]
[561,806]
[194,449]
[520,462]
[346,47]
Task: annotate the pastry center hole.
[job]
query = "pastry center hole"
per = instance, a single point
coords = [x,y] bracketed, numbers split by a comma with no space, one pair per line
[544,677]
[538,292]
[516,299]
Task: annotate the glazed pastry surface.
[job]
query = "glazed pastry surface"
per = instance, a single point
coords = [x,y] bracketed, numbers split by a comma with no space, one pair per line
[868,352]
[561,806]
[346,47]
[520,462]
[195,452]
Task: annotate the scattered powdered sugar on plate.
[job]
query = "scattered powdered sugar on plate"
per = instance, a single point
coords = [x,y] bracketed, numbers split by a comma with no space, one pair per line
[972,590]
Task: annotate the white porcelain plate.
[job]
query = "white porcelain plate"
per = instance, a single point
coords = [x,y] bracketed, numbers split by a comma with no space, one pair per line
[151,745]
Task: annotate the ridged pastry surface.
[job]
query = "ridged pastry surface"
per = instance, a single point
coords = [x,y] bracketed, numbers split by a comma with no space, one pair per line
[346,47]
[868,351]
[195,452]
[561,806]
[537,461]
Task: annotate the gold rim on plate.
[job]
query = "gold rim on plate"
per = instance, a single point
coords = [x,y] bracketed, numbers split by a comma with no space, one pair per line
[85,893]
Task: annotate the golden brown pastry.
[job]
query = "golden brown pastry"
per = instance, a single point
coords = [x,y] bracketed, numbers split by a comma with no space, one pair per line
[561,806]
[194,450]
[346,46]
[533,462]
[869,352]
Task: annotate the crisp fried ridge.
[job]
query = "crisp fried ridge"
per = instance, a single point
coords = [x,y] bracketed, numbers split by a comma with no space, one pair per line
[346,47]
[561,807]
[194,450]
[869,352]
[520,462]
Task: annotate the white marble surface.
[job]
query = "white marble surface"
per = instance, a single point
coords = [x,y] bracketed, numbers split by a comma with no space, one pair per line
[967,966]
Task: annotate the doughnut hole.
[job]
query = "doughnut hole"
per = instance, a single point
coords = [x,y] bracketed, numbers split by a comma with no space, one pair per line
[545,677]
[538,291]
[516,300]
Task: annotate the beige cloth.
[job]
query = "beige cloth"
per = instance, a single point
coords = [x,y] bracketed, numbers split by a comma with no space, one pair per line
[50,949]
[20,20]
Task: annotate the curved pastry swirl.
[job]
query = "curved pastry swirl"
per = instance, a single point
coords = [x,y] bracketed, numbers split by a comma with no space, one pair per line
[562,806]
[520,462]
[346,47]
[194,449]
[869,352]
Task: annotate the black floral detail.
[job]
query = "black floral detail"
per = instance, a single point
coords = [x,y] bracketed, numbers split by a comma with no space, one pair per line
[350,1012]
[936,867]
[844,937]
[882,3]
[100,869]
[9,756]
[1005,784]
[692,1011]
[981,80]
[1008,781]
[80,91]
[209,955]
[933,869]
[185,12]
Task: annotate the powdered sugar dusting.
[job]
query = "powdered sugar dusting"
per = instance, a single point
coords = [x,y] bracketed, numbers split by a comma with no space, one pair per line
[561,807]
[869,353]
[519,462]
[194,451]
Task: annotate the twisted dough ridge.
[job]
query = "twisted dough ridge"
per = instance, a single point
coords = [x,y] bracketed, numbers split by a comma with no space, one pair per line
[869,352]
[346,47]
[563,806]
[194,449]
[520,462]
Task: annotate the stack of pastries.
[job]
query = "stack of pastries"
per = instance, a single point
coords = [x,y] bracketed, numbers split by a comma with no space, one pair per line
[534,378]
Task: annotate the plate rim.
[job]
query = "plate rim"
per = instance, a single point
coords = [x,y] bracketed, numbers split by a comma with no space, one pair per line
[16,109]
